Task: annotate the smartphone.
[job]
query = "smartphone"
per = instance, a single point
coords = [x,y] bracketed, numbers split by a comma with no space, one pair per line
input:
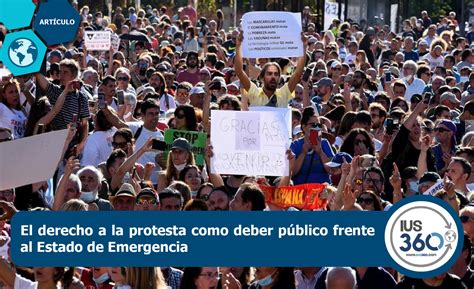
[158,145]
[74,120]
[427,97]
[101,98]
[120,97]
[314,136]
[40,128]
[388,76]
[391,125]
[307,73]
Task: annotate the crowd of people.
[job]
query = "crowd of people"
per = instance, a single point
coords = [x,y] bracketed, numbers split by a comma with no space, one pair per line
[377,115]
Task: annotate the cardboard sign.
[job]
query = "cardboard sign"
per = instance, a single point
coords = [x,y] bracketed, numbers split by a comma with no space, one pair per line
[31,159]
[97,40]
[249,143]
[196,139]
[304,197]
[272,34]
[115,41]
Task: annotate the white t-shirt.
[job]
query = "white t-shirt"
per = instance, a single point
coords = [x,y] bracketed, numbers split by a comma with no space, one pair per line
[23,283]
[171,101]
[439,61]
[98,147]
[416,87]
[13,119]
[140,142]
[350,58]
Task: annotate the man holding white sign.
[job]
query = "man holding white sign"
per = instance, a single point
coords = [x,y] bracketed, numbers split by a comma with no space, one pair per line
[269,94]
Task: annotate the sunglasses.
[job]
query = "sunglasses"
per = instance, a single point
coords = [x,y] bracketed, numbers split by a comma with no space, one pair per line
[441,129]
[149,201]
[122,78]
[465,219]
[367,201]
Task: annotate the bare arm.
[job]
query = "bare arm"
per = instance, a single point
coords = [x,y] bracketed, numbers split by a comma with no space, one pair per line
[128,165]
[42,82]
[113,118]
[71,165]
[215,179]
[296,77]
[238,64]
[422,165]
[410,121]
[206,109]
[306,99]
[48,118]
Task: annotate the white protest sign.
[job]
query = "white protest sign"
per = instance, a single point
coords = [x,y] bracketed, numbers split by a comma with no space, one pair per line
[249,143]
[31,159]
[285,116]
[434,188]
[331,12]
[115,41]
[97,40]
[271,34]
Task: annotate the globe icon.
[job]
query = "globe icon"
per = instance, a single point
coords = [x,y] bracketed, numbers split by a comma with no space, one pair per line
[23,52]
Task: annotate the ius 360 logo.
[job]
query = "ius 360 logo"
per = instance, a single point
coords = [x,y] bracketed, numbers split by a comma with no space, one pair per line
[421,236]
[414,240]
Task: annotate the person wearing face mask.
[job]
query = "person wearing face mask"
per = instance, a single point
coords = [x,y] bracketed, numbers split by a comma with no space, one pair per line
[118,275]
[274,278]
[91,183]
[101,278]
[179,157]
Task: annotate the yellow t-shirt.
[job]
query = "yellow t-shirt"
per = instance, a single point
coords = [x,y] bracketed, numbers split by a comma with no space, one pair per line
[258,98]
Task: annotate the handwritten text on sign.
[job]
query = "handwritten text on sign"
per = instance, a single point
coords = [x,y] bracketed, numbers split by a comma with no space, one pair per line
[97,40]
[249,143]
[272,34]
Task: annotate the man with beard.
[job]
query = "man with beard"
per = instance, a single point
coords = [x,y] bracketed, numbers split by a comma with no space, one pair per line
[270,74]
[378,114]
[91,183]
[219,199]
[191,74]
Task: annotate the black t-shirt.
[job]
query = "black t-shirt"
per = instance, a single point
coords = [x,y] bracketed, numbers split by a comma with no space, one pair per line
[449,282]
[468,279]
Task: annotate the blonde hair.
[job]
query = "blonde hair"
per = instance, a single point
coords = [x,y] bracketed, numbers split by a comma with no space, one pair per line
[145,277]
[74,205]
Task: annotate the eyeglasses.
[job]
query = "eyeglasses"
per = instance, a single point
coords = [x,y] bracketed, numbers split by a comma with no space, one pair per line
[210,274]
[465,219]
[149,201]
[119,144]
[122,78]
[441,129]
[367,201]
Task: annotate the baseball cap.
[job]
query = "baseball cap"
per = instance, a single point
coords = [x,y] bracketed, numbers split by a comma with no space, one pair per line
[182,144]
[147,192]
[55,53]
[338,160]
[449,96]
[297,130]
[325,81]
[429,177]
[126,190]
[197,90]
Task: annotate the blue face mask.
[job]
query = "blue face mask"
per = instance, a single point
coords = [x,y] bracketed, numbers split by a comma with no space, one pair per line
[413,186]
[101,279]
[265,281]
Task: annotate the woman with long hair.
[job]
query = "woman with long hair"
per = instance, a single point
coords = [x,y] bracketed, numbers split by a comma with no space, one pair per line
[12,113]
[185,118]
[190,43]
[369,201]
[179,157]
[144,277]
[358,142]
[45,277]
[191,175]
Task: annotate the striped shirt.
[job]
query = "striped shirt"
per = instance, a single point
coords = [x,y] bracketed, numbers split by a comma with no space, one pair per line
[75,103]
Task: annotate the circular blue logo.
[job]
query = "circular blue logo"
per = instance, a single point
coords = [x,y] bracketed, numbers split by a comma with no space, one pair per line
[23,52]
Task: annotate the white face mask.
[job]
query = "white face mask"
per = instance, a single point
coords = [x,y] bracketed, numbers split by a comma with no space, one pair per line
[180,167]
[88,197]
